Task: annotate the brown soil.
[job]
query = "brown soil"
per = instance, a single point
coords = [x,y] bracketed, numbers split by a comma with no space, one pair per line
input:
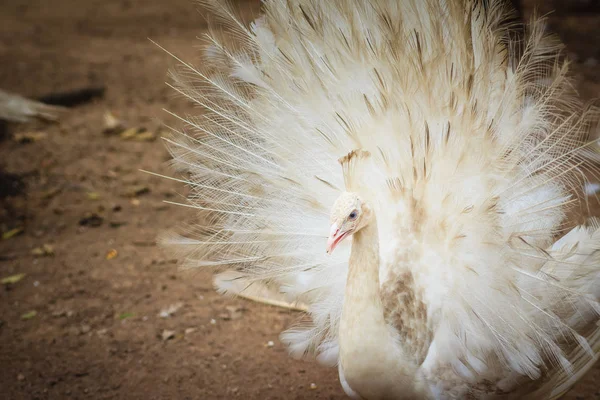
[97,332]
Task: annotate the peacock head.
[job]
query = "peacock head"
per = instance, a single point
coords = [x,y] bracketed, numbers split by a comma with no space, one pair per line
[348,215]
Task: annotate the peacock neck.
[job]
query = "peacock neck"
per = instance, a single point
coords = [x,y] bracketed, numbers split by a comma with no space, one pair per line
[370,359]
[362,306]
[362,284]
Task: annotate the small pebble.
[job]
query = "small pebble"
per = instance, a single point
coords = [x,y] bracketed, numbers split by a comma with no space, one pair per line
[36,283]
[213,321]
[21,377]
[313,386]
[270,343]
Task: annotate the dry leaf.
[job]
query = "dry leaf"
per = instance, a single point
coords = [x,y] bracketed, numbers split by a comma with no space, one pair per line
[44,250]
[93,196]
[166,335]
[29,137]
[111,123]
[130,133]
[146,136]
[139,134]
[111,254]
[11,280]
[125,315]
[29,315]
[12,233]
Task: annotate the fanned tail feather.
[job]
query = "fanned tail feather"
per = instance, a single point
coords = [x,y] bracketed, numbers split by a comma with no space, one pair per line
[16,108]
[479,145]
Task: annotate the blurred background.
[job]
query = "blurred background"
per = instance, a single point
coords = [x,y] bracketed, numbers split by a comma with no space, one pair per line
[90,306]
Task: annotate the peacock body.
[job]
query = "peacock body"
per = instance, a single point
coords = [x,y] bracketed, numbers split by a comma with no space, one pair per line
[483,284]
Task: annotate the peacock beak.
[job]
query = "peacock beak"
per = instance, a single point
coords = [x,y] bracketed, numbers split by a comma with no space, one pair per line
[335,237]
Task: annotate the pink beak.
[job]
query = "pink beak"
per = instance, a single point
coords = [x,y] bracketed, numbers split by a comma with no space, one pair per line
[335,237]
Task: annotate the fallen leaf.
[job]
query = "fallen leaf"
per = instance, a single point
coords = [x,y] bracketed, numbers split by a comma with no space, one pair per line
[166,335]
[11,280]
[111,254]
[44,250]
[111,123]
[130,133]
[125,315]
[29,137]
[12,233]
[146,136]
[93,196]
[29,315]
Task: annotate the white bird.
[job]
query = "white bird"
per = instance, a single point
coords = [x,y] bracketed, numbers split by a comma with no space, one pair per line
[463,152]
[16,108]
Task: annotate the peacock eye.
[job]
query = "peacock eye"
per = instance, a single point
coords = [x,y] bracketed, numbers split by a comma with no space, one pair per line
[353,215]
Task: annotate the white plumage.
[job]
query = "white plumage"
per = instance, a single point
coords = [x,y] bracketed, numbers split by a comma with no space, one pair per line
[477,156]
[16,108]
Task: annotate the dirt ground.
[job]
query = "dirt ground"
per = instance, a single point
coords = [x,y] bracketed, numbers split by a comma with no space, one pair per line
[84,321]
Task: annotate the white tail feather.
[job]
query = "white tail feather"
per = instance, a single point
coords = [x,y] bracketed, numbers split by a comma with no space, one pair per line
[480,146]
